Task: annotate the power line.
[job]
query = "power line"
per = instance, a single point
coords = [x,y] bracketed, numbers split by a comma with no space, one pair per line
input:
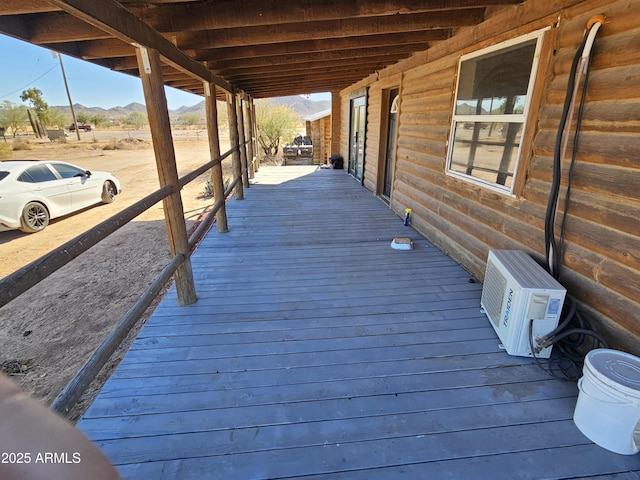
[30,83]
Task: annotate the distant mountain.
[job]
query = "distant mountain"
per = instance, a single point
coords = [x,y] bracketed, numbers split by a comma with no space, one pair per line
[115,112]
[304,107]
[301,105]
[198,108]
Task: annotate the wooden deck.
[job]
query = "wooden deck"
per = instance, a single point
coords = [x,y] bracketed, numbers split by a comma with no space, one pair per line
[315,350]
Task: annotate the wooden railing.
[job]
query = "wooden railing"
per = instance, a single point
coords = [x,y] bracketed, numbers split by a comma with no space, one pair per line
[30,275]
[81,381]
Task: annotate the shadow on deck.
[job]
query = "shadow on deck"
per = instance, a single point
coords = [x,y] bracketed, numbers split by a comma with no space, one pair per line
[317,351]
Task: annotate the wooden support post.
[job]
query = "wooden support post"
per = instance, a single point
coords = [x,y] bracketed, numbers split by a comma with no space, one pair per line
[255,135]
[238,192]
[250,154]
[243,146]
[214,148]
[335,124]
[158,113]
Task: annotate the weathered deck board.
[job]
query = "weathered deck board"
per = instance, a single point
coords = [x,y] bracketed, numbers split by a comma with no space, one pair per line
[317,351]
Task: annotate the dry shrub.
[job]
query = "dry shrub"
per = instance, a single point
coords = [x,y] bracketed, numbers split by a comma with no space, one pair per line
[122,144]
[111,145]
[20,144]
[125,144]
[132,143]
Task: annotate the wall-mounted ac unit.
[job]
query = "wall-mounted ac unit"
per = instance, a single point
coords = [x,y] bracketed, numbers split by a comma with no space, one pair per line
[522,301]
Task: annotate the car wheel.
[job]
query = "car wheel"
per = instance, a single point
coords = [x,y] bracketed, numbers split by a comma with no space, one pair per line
[35,217]
[108,192]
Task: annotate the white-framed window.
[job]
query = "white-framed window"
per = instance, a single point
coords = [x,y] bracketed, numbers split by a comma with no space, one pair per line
[493,95]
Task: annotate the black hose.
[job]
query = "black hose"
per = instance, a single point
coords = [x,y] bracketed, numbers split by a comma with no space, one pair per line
[574,151]
[567,319]
[551,247]
[572,333]
[582,331]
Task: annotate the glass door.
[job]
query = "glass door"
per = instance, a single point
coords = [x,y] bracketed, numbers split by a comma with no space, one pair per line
[357,136]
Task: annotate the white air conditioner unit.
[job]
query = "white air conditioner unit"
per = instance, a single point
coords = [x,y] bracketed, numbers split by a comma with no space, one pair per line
[522,301]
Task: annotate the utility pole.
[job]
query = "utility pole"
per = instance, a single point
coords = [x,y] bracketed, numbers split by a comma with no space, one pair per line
[66,86]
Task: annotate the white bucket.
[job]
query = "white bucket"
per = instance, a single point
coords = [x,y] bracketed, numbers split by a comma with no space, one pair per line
[608,408]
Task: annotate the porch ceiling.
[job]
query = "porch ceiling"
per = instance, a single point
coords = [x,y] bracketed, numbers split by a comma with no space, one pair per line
[266,48]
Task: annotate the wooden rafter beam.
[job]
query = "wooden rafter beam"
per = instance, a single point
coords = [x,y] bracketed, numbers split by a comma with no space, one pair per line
[300,79]
[401,24]
[317,46]
[363,68]
[60,27]
[347,54]
[251,13]
[303,64]
[284,90]
[110,16]
[41,6]
[94,49]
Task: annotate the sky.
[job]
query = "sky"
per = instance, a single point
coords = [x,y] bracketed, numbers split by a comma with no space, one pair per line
[28,66]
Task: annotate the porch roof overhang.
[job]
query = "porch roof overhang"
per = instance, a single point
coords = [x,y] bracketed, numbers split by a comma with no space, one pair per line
[264,48]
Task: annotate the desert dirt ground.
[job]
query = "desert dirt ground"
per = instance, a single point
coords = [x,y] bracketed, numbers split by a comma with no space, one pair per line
[49,332]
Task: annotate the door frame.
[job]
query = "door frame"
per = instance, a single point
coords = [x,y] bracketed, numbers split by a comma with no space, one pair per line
[384,140]
[363,92]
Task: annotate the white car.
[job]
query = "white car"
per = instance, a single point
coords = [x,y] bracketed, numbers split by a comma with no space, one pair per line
[33,192]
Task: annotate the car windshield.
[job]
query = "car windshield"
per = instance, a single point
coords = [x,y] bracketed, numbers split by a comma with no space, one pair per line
[3,175]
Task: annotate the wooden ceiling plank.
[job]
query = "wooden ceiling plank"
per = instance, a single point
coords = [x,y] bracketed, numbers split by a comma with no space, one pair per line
[252,13]
[107,48]
[305,79]
[154,2]
[299,80]
[26,6]
[335,70]
[286,90]
[352,54]
[282,90]
[241,69]
[122,64]
[58,27]
[343,29]
[312,46]
[15,27]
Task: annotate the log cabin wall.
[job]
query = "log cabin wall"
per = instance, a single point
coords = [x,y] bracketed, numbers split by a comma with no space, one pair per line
[319,129]
[325,127]
[601,266]
[372,151]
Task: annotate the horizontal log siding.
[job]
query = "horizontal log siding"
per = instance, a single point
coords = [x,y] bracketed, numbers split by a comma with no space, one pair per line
[602,260]
[372,144]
